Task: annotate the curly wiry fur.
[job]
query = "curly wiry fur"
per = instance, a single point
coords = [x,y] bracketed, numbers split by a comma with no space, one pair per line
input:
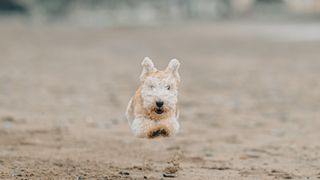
[155,86]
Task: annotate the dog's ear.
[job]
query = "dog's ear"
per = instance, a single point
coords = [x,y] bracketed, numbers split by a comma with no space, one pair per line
[148,67]
[173,68]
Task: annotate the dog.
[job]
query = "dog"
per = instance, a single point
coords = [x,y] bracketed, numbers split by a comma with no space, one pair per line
[152,111]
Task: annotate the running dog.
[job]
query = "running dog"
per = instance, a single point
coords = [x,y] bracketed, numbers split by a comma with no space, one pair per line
[152,111]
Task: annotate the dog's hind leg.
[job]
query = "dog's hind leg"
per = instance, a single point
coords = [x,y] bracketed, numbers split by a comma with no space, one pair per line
[177,113]
[130,112]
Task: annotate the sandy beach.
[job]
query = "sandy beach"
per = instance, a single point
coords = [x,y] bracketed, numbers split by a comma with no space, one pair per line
[249,102]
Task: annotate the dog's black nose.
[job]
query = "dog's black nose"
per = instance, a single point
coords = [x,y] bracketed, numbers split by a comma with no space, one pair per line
[159,104]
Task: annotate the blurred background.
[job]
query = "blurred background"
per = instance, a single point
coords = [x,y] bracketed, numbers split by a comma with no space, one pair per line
[103,13]
[249,97]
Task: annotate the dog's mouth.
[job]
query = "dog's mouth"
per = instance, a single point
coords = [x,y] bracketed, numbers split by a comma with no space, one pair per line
[158,110]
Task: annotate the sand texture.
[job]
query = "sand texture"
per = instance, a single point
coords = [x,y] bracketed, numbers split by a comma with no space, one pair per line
[249,102]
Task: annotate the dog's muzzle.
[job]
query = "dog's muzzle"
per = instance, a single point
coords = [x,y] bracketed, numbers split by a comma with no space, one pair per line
[159,108]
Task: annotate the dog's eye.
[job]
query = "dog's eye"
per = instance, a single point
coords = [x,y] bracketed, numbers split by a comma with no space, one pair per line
[168,87]
[151,86]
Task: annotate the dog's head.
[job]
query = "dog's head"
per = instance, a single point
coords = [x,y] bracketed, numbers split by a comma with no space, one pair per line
[159,89]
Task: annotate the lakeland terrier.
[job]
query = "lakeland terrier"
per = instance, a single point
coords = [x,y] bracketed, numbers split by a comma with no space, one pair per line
[152,111]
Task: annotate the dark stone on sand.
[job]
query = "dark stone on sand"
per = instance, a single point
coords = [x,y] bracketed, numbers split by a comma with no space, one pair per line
[80,178]
[169,175]
[287,177]
[124,173]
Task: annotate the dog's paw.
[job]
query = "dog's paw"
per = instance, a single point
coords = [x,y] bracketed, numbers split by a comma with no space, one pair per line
[158,132]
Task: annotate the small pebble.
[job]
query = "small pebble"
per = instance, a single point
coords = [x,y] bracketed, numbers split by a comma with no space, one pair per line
[124,173]
[80,178]
[169,175]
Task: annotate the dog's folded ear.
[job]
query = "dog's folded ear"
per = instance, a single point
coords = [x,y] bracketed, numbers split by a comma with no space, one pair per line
[148,67]
[173,67]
